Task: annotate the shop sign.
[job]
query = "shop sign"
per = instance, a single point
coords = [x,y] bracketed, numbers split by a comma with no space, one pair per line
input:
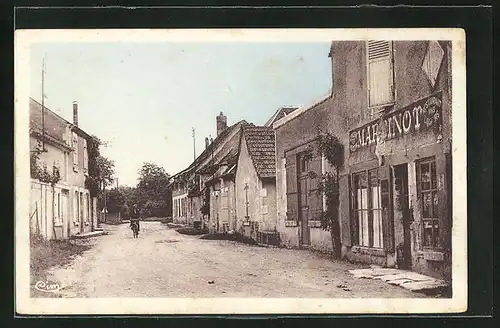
[423,115]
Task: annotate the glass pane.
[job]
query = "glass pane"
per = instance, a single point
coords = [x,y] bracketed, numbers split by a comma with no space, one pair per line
[377,229]
[435,205]
[433,175]
[375,197]
[426,205]
[425,176]
[373,178]
[385,185]
[364,199]
[365,241]
[363,183]
[428,233]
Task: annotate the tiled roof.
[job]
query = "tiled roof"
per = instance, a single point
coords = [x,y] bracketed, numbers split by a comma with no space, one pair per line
[220,140]
[260,142]
[55,126]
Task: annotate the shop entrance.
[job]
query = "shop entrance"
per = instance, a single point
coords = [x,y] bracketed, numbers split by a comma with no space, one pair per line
[402,199]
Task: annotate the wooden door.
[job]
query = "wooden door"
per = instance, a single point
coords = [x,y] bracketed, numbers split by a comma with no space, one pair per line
[402,197]
[65,212]
[304,211]
[304,201]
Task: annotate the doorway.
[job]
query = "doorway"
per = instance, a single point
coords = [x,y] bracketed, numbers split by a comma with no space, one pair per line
[402,199]
[303,191]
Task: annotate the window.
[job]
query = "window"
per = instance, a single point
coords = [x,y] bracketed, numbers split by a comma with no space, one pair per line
[247,203]
[380,74]
[428,198]
[75,152]
[304,163]
[370,197]
[75,209]
[85,157]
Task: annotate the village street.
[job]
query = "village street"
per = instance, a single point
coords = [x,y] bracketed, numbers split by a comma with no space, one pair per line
[164,263]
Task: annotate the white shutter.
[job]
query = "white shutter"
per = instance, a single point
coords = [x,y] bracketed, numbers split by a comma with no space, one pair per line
[380,73]
[75,152]
[85,156]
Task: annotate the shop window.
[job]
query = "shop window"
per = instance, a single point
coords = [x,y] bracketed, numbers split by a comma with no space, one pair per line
[368,209]
[380,74]
[428,199]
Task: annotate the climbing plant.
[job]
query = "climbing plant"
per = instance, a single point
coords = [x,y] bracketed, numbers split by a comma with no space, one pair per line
[333,151]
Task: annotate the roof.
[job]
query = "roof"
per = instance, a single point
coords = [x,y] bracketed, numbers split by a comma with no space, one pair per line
[213,146]
[260,143]
[55,125]
[299,111]
[280,113]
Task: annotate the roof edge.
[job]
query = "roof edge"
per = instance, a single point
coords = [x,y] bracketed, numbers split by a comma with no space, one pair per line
[299,111]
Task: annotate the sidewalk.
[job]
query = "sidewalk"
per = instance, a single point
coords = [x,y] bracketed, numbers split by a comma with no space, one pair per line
[407,279]
[89,234]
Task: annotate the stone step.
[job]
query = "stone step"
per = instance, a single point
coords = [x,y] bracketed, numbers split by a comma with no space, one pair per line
[407,279]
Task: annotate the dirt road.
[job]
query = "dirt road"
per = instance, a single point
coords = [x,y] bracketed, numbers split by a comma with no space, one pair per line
[164,263]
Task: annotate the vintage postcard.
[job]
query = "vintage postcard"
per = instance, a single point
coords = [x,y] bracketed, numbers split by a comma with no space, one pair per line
[278,171]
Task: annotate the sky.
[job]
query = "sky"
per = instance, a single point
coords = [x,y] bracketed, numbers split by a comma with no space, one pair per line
[145,98]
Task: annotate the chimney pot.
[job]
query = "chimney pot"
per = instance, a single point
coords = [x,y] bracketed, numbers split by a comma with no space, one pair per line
[75,113]
[221,123]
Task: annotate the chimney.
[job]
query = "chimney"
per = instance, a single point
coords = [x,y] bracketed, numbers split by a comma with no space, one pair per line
[206,142]
[221,123]
[75,113]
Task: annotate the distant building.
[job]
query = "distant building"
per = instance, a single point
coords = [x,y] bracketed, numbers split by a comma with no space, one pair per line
[67,208]
[195,190]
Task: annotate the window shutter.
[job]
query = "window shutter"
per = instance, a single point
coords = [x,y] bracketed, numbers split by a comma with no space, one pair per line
[385,176]
[352,213]
[291,188]
[344,218]
[315,199]
[380,73]
[443,177]
[85,155]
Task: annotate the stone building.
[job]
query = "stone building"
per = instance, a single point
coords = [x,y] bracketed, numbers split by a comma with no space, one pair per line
[196,191]
[256,185]
[390,107]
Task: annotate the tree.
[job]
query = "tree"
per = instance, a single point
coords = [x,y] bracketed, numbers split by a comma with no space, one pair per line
[100,169]
[114,200]
[153,196]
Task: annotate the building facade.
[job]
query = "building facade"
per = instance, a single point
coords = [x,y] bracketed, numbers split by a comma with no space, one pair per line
[256,185]
[391,109]
[196,191]
[64,208]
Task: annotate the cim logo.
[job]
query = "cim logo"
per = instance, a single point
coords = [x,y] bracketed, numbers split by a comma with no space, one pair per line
[47,286]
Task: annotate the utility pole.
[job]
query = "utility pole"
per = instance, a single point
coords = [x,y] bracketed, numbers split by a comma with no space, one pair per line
[194,145]
[43,102]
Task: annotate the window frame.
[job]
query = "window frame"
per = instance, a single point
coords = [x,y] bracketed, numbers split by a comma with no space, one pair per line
[369,209]
[434,192]
[377,108]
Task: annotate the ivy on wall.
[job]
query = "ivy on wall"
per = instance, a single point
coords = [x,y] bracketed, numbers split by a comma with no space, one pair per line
[332,150]
[40,172]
